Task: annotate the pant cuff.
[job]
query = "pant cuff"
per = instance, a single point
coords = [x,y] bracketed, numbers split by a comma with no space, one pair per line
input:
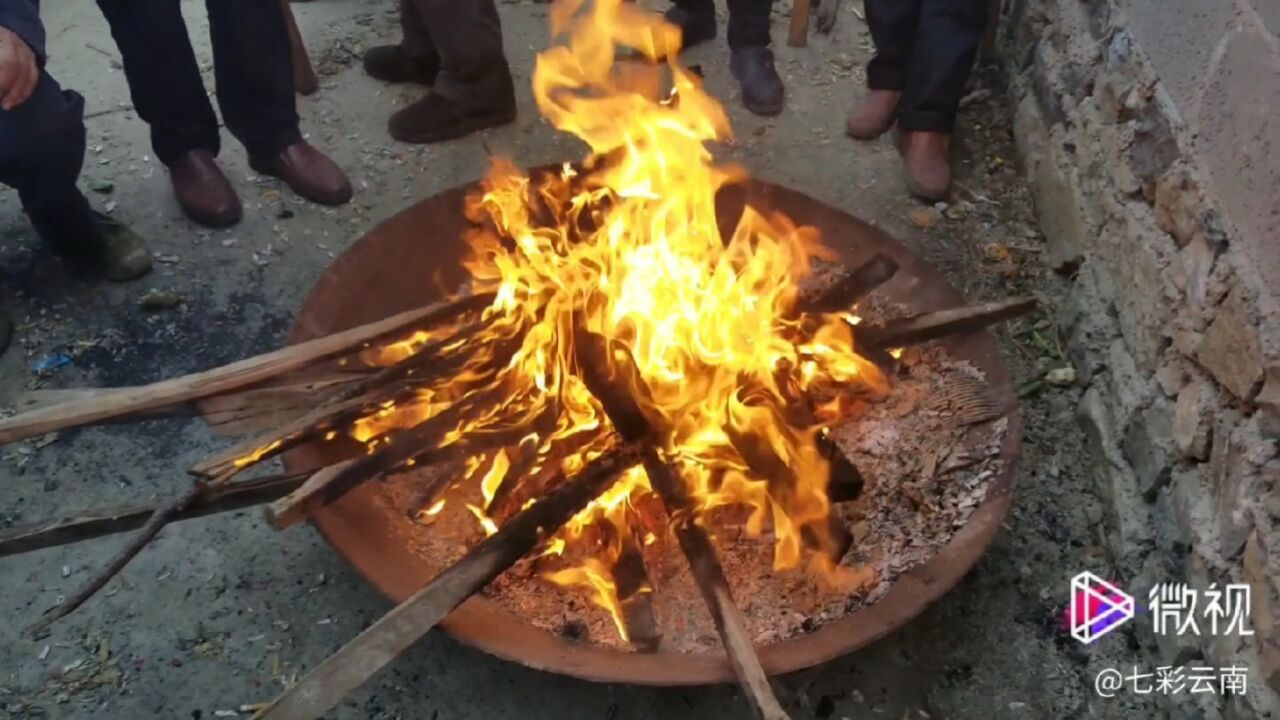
[882,78]
[268,145]
[926,120]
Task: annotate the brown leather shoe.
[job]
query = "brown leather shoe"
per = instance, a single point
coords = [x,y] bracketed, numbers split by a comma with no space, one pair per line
[928,164]
[308,172]
[203,192]
[873,114]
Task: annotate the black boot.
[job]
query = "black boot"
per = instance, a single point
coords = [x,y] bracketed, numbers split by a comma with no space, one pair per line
[762,90]
[435,119]
[93,244]
[6,329]
[696,26]
[390,63]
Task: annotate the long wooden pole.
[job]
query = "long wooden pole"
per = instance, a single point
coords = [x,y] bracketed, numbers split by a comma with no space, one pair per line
[612,377]
[370,651]
[86,525]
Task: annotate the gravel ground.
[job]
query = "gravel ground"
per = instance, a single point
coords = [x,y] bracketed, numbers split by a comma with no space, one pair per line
[220,612]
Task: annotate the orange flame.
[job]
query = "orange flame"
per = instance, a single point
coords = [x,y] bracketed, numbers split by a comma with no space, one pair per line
[627,245]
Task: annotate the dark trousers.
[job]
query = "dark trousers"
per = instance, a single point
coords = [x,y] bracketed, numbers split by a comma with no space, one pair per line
[466,35]
[251,67]
[925,48]
[748,20]
[41,151]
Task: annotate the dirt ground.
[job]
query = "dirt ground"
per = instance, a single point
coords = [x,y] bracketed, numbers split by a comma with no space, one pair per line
[221,612]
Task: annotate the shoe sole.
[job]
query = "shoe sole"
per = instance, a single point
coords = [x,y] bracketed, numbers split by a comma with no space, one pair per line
[462,129]
[765,110]
[868,136]
[209,221]
[334,201]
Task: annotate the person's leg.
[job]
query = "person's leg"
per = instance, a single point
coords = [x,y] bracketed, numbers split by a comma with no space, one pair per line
[164,79]
[42,144]
[893,26]
[255,91]
[169,94]
[474,89]
[696,20]
[749,23]
[947,41]
[413,60]
[750,58]
[254,76]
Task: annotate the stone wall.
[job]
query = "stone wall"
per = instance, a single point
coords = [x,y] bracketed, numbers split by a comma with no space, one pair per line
[1149,131]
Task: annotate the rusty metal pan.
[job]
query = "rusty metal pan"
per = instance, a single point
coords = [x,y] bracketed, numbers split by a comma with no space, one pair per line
[413,257]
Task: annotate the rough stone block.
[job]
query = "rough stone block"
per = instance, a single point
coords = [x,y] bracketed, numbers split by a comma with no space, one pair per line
[1233,482]
[1130,388]
[1262,592]
[1265,605]
[1193,418]
[1139,256]
[1193,512]
[1172,374]
[1153,148]
[1058,210]
[1230,349]
[1146,446]
[1192,268]
[1269,404]
[1179,203]
[1087,321]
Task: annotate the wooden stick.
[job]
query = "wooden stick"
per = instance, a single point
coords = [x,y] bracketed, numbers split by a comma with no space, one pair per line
[941,323]
[417,447]
[350,403]
[107,521]
[304,76]
[634,589]
[237,375]
[612,377]
[836,288]
[154,524]
[798,35]
[361,658]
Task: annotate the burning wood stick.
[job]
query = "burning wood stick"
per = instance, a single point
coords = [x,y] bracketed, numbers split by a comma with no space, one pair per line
[415,447]
[634,589]
[836,288]
[622,395]
[121,402]
[349,404]
[361,658]
[107,521]
[941,323]
[155,523]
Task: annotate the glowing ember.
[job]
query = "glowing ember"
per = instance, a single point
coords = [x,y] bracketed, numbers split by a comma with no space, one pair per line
[627,245]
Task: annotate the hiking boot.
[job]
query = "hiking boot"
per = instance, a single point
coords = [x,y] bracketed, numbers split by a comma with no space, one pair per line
[697,26]
[873,115]
[928,163]
[435,119]
[125,255]
[390,63]
[762,90]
